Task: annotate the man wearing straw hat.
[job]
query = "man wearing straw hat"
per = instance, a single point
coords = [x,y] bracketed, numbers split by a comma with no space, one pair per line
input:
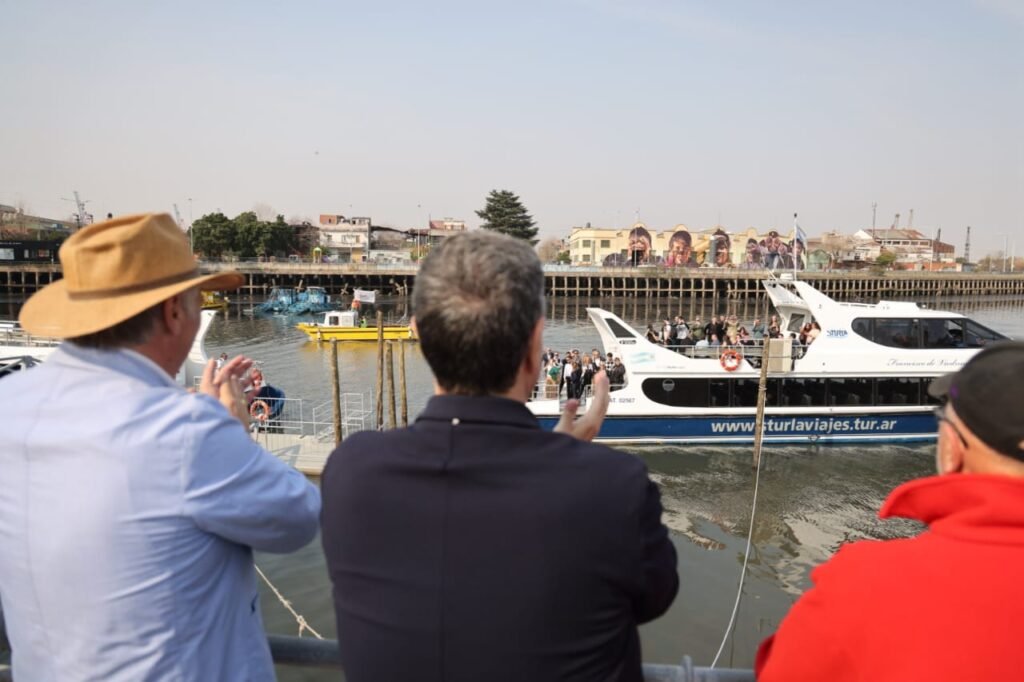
[129,507]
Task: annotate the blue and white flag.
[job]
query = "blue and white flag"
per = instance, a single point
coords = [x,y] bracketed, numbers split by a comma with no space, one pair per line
[798,232]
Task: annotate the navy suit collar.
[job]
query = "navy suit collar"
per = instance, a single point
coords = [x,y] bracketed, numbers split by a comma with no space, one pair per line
[479,409]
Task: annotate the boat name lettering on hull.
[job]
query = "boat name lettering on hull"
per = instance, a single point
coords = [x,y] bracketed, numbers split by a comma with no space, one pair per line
[933,362]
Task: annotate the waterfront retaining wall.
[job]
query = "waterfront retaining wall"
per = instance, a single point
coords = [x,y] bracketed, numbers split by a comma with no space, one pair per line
[562,281]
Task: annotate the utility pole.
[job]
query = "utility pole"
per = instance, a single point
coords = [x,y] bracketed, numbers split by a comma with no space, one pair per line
[967,246]
[874,211]
[1006,244]
[910,220]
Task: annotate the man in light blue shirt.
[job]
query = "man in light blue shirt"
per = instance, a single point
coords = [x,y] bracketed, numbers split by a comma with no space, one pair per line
[130,508]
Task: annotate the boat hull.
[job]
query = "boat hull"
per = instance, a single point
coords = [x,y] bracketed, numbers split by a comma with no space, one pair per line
[321,333]
[780,428]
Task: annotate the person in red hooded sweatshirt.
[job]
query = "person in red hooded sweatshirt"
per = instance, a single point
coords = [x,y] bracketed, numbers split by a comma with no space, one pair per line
[947,604]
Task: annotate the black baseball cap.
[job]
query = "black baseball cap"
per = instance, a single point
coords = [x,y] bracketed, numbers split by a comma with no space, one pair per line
[988,396]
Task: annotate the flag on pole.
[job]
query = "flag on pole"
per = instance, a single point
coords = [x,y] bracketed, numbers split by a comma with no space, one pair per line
[365,296]
[798,236]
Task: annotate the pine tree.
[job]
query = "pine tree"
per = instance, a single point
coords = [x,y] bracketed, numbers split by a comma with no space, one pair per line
[505,213]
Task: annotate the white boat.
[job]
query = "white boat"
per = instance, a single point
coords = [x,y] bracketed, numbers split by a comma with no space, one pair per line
[864,378]
[20,350]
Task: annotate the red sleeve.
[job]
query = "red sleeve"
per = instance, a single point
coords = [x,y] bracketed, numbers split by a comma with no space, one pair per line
[817,638]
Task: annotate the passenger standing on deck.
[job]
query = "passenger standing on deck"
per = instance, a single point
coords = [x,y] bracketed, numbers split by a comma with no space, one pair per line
[946,604]
[474,545]
[129,507]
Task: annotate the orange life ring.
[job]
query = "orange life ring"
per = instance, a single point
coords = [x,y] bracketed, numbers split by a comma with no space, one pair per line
[730,360]
[259,410]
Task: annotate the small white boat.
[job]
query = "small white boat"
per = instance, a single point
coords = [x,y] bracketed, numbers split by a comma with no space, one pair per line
[864,378]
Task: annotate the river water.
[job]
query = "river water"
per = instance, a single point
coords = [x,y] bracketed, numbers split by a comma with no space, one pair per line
[812,499]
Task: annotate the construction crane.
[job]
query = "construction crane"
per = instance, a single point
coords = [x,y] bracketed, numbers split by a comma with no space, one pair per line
[81,217]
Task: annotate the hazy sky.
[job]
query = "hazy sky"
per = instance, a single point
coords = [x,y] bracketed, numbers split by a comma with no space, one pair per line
[742,111]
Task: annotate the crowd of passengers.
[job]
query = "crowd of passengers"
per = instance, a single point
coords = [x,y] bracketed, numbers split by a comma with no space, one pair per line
[575,371]
[725,332]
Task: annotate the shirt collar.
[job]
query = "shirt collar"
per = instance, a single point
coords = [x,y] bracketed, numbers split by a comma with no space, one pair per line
[123,360]
[479,409]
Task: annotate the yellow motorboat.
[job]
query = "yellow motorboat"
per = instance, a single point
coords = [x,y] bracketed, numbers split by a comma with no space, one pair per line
[346,326]
[214,301]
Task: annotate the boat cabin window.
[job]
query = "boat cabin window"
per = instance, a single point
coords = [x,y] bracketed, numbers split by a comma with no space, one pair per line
[796,323]
[676,392]
[619,331]
[943,333]
[899,392]
[925,333]
[804,392]
[980,335]
[851,391]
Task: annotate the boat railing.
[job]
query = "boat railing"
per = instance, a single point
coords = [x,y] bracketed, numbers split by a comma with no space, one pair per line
[750,351]
[12,334]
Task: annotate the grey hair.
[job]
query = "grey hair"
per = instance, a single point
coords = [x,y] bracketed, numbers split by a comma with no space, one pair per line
[477,298]
[131,332]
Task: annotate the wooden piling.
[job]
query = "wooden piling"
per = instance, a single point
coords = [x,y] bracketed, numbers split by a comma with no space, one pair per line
[762,392]
[336,391]
[403,396]
[390,359]
[380,370]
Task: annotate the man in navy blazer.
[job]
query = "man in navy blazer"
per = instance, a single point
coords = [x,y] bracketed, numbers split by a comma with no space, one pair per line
[473,545]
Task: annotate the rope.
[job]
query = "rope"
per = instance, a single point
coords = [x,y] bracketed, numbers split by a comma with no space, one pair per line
[743,571]
[303,625]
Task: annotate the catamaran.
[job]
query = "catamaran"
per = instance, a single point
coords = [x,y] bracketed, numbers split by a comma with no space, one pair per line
[864,378]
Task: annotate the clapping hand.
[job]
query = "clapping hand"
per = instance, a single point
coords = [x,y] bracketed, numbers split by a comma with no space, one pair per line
[228,385]
[589,425]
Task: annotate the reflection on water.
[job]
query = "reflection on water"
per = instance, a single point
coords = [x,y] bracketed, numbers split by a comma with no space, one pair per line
[812,499]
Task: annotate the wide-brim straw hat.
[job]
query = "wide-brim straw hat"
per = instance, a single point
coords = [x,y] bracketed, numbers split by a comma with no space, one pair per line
[114,270]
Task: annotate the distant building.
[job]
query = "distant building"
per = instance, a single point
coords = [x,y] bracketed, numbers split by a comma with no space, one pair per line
[835,251]
[344,240]
[914,251]
[389,245]
[14,221]
[435,232]
[682,247]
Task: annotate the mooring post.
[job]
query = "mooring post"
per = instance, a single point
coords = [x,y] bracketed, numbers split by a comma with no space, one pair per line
[391,383]
[380,370]
[336,392]
[401,383]
[762,392]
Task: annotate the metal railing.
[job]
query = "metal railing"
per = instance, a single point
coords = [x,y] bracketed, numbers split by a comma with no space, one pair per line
[323,653]
[305,652]
[11,334]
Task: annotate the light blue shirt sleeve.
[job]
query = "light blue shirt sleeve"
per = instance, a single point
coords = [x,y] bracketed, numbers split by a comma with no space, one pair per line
[235,489]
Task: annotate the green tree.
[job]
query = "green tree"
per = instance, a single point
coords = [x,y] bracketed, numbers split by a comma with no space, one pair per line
[885,260]
[505,213]
[213,235]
